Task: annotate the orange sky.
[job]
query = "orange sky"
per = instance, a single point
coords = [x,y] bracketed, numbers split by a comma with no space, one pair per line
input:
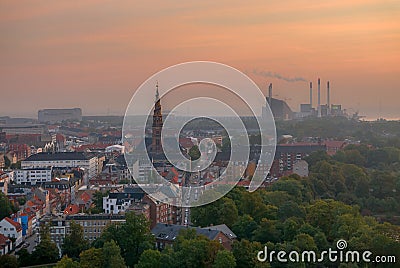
[94,54]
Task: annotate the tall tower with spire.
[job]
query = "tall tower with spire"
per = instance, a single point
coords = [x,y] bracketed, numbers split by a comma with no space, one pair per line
[156,146]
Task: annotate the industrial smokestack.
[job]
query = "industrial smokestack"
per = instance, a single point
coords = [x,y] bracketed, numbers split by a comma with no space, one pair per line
[270,94]
[311,94]
[328,97]
[319,97]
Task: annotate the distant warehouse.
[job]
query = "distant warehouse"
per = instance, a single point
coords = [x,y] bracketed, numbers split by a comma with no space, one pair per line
[58,115]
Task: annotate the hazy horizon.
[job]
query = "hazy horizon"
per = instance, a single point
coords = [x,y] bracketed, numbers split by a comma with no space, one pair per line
[94,54]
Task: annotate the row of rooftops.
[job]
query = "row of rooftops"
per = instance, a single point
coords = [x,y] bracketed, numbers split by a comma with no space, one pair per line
[81,217]
[59,156]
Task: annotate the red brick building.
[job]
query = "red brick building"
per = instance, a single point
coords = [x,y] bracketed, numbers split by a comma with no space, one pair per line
[160,212]
[19,151]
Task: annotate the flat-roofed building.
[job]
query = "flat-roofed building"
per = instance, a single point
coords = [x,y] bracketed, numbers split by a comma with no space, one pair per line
[63,160]
[33,176]
[59,115]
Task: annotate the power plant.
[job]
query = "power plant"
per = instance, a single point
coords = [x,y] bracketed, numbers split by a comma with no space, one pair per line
[328,101]
[319,98]
[281,110]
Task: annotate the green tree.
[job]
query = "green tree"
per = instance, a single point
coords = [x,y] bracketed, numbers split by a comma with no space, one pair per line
[24,257]
[46,251]
[383,184]
[292,186]
[226,145]
[8,261]
[21,201]
[66,262]
[290,228]
[150,258]
[346,225]
[194,153]
[112,255]
[267,231]
[7,162]
[353,175]
[192,250]
[92,257]
[133,237]
[315,157]
[304,242]
[98,202]
[320,241]
[5,206]
[323,214]
[245,253]
[224,259]
[222,211]
[74,242]
[275,197]
[253,205]
[290,209]
[352,156]
[16,165]
[244,227]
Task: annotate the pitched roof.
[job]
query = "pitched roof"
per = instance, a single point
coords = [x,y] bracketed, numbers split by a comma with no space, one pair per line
[71,209]
[86,197]
[57,156]
[169,232]
[224,229]
[3,240]
[14,223]
[186,142]
[335,144]
[299,148]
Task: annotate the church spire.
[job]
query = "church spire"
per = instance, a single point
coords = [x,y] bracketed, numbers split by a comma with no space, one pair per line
[157,124]
[157,94]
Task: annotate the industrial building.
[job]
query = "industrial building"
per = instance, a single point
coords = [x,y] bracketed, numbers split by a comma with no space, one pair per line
[281,110]
[59,115]
[321,110]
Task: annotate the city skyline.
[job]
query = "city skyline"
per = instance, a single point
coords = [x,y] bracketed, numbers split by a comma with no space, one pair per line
[94,55]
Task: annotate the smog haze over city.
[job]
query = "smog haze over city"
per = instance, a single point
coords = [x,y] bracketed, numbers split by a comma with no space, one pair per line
[94,54]
[210,134]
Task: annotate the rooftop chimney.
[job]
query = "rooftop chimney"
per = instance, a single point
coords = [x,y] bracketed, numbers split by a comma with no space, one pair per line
[311,94]
[270,94]
[319,97]
[328,97]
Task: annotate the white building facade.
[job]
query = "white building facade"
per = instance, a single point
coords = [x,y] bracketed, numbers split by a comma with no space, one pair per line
[11,229]
[33,176]
[63,160]
[115,203]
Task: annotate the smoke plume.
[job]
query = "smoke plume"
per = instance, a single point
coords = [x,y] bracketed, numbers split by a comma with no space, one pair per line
[278,76]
